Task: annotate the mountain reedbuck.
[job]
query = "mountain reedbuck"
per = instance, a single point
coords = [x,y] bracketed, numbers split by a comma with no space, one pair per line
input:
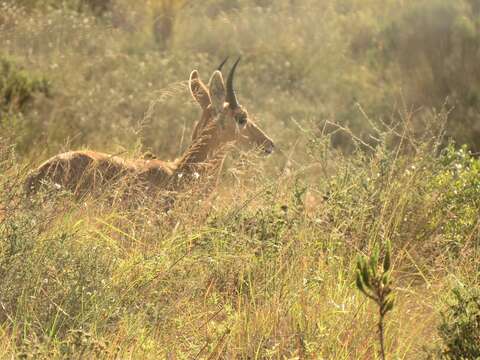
[223,122]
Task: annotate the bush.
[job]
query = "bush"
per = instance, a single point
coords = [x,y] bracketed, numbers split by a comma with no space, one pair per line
[18,87]
[431,49]
[460,326]
[458,187]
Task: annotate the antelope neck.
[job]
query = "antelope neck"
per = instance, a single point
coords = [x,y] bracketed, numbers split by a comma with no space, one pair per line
[196,156]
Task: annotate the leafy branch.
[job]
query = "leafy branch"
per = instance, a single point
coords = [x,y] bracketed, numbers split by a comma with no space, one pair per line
[375,282]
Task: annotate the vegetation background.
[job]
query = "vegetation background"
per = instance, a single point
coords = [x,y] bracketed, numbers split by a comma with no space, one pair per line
[374,106]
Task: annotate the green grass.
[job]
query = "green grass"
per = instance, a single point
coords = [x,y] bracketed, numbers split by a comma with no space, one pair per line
[261,271]
[264,267]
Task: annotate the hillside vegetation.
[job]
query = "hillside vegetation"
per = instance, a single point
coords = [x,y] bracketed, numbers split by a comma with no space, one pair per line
[374,109]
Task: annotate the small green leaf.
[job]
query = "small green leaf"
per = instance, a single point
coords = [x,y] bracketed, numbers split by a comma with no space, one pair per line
[359,281]
[361,285]
[374,260]
[366,276]
[386,278]
[386,259]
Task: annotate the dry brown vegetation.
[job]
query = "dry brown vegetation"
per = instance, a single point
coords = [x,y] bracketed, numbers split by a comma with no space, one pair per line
[373,107]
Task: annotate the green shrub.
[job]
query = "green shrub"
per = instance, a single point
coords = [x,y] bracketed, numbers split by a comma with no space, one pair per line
[458,187]
[18,87]
[460,326]
[431,48]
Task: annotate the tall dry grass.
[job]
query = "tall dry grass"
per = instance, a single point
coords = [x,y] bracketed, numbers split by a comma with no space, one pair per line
[264,267]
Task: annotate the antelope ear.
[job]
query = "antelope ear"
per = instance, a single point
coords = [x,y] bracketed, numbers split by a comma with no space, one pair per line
[217,91]
[198,90]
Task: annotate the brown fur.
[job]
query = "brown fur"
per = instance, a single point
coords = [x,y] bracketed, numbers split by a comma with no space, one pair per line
[84,172]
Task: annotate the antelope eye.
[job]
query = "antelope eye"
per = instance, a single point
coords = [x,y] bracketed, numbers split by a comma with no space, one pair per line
[241,118]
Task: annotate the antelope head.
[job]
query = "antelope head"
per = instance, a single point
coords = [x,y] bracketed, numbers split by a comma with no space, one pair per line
[227,121]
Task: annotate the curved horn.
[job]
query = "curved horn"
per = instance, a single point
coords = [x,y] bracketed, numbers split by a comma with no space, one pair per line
[219,68]
[231,97]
